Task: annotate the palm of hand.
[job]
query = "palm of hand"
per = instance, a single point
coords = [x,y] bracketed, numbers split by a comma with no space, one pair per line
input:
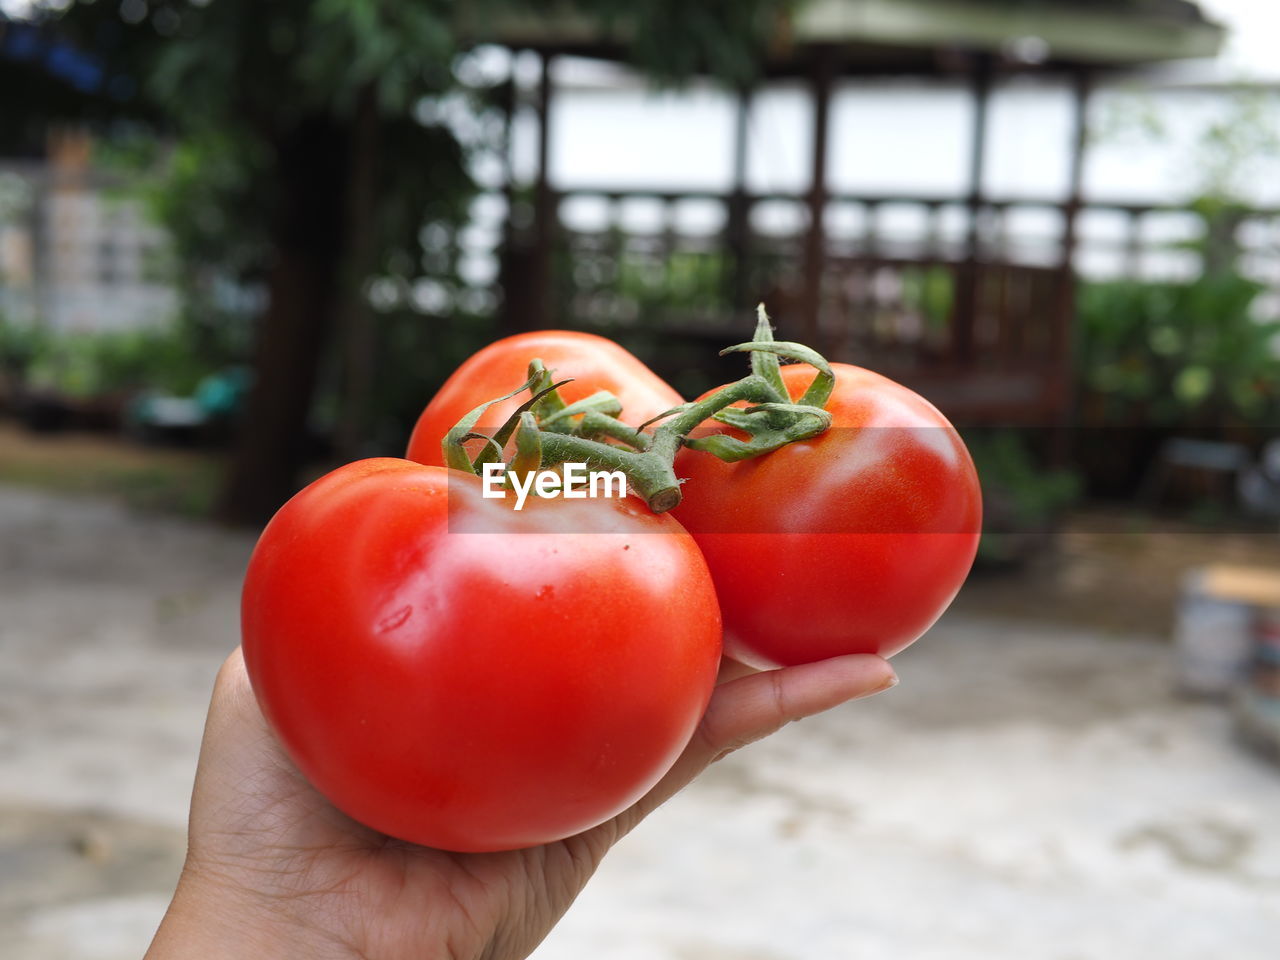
[295,876]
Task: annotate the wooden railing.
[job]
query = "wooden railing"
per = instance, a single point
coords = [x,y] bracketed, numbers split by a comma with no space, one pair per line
[980,318]
[943,230]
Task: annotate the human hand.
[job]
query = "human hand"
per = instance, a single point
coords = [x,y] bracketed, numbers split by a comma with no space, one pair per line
[274,870]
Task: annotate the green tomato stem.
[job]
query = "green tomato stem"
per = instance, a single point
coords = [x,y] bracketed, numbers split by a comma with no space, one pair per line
[765,365]
[551,432]
[649,476]
[601,424]
[668,438]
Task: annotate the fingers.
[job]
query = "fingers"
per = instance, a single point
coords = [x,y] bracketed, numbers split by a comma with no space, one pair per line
[752,707]
[231,685]
[233,710]
[232,724]
[731,669]
[238,748]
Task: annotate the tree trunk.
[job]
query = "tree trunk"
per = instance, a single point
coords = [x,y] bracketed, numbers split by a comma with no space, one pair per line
[358,326]
[309,245]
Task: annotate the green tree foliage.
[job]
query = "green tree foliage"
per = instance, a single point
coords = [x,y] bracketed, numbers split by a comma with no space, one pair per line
[304,164]
[1199,353]
[228,79]
[1185,354]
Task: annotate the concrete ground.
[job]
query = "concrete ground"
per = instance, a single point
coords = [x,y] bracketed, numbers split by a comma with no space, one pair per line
[1026,793]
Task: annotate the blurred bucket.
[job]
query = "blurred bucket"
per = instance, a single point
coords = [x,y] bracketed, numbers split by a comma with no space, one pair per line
[1269,635]
[1213,638]
[1266,669]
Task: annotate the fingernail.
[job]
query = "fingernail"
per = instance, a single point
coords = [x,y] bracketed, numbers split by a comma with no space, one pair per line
[891,682]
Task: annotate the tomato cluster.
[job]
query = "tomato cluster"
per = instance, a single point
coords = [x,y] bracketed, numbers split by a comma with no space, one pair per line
[456,673]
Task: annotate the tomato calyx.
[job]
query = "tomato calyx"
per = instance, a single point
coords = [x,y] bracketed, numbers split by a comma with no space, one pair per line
[649,475]
[549,432]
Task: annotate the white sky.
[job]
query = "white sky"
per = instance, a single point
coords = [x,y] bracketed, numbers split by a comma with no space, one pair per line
[1253,40]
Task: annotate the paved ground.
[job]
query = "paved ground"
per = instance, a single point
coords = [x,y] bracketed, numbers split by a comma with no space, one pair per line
[1025,793]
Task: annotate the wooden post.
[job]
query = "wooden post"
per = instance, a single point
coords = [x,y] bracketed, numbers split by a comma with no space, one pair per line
[358,325]
[815,248]
[1063,318]
[1133,242]
[538,310]
[516,264]
[738,212]
[1081,88]
[1064,309]
[506,98]
[513,260]
[969,278]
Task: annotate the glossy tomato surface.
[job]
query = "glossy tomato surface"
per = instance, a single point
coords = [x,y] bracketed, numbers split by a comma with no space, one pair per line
[853,542]
[457,674]
[594,363]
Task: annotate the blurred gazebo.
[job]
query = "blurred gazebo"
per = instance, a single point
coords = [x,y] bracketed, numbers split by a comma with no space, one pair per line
[980,327]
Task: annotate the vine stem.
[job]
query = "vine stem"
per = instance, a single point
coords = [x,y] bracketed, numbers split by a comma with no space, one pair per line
[668,438]
[646,459]
[650,476]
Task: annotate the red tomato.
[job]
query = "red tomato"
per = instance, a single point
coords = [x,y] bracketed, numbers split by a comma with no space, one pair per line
[457,674]
[852,542]
[593,362]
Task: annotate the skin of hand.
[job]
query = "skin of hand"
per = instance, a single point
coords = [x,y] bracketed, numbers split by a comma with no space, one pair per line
[273,870]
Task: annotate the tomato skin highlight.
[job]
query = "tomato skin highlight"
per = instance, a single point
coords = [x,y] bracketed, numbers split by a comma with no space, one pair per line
[853,542]
[476,691]
[594,363]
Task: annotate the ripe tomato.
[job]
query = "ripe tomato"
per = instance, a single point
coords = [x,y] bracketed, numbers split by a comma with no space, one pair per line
[852,542]
[593,362]
[454,673]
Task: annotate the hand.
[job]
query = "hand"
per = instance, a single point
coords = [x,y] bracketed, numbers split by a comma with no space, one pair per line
[274,870]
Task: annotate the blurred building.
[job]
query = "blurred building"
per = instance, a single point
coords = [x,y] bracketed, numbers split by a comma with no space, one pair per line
[77,250]
[960,309]
[81,253]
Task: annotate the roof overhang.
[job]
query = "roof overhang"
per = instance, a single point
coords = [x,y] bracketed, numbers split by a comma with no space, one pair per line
[906,36]
[1110,35]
